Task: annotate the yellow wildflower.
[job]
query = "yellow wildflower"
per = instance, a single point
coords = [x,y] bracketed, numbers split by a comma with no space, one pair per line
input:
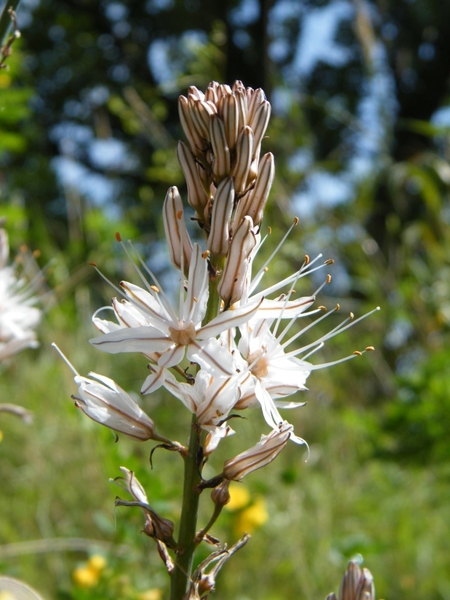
[252,517]
[240,497]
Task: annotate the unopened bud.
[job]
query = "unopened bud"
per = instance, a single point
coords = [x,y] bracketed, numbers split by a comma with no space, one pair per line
[244,155]
[197,195]
[218,240]
[108,404]
[260,455]
[220,494]
[231,286]
[194,137]
[254,202]
[221,153]
[357,584]
[179,242]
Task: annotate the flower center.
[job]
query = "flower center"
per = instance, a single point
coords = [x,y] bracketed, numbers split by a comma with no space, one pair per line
[261,367]
[183,336]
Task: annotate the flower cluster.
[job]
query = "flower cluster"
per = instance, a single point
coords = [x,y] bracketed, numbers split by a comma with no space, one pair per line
[224,323]
[19,316]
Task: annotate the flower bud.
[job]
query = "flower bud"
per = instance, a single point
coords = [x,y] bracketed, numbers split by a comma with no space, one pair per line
[219,236]
[221,153]
[197,195]
[234,277]
[253,203]
[179,242]
[244,154]
[357,584]
[260,455]
[228,110]
[220,494]
[190,129]
[108,404]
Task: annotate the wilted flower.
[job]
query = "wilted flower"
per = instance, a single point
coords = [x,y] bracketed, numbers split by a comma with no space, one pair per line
[155,526]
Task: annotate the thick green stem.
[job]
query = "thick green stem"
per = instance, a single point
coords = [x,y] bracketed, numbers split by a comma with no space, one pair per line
[188,523]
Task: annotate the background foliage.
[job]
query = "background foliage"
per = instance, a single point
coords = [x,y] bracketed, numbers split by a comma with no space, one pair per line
[88,128]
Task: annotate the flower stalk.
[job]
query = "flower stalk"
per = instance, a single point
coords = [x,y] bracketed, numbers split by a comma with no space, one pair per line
[226,345]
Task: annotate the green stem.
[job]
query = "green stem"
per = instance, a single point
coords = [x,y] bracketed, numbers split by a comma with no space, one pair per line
[187,541]
[188,523]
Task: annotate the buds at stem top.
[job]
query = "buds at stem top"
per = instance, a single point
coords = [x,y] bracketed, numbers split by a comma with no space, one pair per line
[244,155]
[180,245]
[253,203]
[221,152]
[234,277]
[219,237]
[197,194]
[196,141]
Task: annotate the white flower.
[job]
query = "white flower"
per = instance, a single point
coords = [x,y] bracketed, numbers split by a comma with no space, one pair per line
[18,316]
[148,324]
[211,398]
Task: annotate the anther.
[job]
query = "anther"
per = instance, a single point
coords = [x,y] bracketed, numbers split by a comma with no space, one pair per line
[269,230]
[118,237]
[328,280]
[370,349]
[205,254]
[93,264]
[329,261]
[307,260]
[155,289]
[296,221]
[357,353]
[323,308]
[338,307]
[351,315]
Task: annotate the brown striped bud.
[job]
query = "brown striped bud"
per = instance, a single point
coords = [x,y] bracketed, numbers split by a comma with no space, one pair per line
[219,236]
[234,277]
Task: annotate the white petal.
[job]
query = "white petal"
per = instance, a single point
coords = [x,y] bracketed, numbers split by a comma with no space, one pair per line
[228,319]
[212,356]
[135,339]
[197,294]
